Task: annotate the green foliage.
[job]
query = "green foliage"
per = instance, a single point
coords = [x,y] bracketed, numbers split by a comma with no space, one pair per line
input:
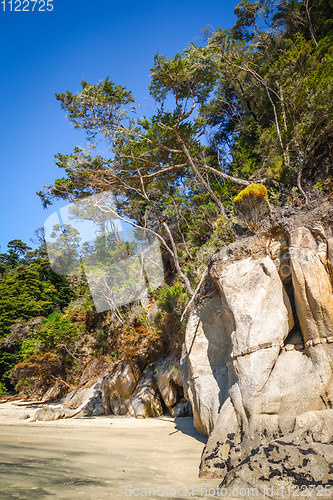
[83,107]
[57,330]
[8,360]
[191,74]
[29,290]
[173,299]
[273,105]
[261,94]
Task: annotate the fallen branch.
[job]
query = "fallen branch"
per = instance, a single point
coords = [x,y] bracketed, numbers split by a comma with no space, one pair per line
[60,380]
[69,352]
[204,296]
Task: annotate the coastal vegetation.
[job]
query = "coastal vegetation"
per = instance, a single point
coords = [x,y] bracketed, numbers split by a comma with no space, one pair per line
[246,115]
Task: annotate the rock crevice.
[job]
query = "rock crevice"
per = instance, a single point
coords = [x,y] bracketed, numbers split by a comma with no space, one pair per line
[258,360]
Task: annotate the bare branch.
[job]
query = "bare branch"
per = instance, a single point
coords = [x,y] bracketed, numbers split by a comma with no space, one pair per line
[225,176]
[299,179]
[195,293]
[172,252]
[175,258]
[197,173]
[312,31]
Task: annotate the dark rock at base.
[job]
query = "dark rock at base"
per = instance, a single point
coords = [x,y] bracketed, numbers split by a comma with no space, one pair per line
[287,464]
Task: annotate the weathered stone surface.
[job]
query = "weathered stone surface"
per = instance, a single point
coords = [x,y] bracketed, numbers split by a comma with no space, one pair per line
[144,402]
[81,403]
[262,314]
[50,413]
[330,256]
[277,249]
[316,424]
[293,388]
[169,379]
[118,386]
[124,391]
[65,401]
[280,468]
[259,316]
[54,392]
[182,408]
[281,389]
[314,303]
[222,452]
[84,400]
[25,416]
[206,363]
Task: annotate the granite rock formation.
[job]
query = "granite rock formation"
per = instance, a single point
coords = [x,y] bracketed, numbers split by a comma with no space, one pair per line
[123,389]
[258,357]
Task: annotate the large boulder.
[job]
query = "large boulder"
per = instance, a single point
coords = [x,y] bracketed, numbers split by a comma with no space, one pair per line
[169,380]
[128,392]
[285,467]
[118,386]
[314,302]
[271,330]
[87,400]
[81,403]
[145,401]
[259,320]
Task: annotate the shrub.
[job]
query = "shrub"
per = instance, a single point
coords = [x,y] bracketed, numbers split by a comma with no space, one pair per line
[57,329]
[137,343]
[254,190]
[173,299]
[35,374]
[252,204]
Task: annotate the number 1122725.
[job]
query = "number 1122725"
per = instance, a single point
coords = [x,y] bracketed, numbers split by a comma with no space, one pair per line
[27,5]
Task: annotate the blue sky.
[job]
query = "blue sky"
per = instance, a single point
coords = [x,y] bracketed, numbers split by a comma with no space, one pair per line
[46,52]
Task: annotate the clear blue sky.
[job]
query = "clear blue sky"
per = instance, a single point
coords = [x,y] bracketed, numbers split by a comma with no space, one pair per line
[46,52]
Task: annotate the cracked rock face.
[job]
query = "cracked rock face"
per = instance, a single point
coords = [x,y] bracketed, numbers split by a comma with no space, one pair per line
[283,466]
[258,362]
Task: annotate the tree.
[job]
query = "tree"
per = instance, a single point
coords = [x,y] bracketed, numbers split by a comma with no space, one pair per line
[16,251]
[261,90]
[272,109]
[28,290]
[152,158]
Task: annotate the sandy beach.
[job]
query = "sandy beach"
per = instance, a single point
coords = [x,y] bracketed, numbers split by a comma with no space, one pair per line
[98,458]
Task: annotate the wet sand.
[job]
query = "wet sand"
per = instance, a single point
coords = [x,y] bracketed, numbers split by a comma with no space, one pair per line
[96,458]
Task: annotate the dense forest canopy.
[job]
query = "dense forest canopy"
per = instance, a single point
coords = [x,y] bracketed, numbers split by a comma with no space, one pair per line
[252,105]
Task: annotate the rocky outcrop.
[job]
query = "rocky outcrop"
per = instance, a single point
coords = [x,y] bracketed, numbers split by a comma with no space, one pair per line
[258,357]
[126,392]
[123,390]
[87,400]
[170,382]
[284,467]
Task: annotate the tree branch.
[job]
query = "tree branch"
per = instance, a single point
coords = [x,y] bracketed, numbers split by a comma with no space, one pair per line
[180,272]
[310,22]
[195,293]
[197,173]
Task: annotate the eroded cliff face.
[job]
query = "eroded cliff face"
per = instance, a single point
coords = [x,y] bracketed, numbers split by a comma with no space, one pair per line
[258,357]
